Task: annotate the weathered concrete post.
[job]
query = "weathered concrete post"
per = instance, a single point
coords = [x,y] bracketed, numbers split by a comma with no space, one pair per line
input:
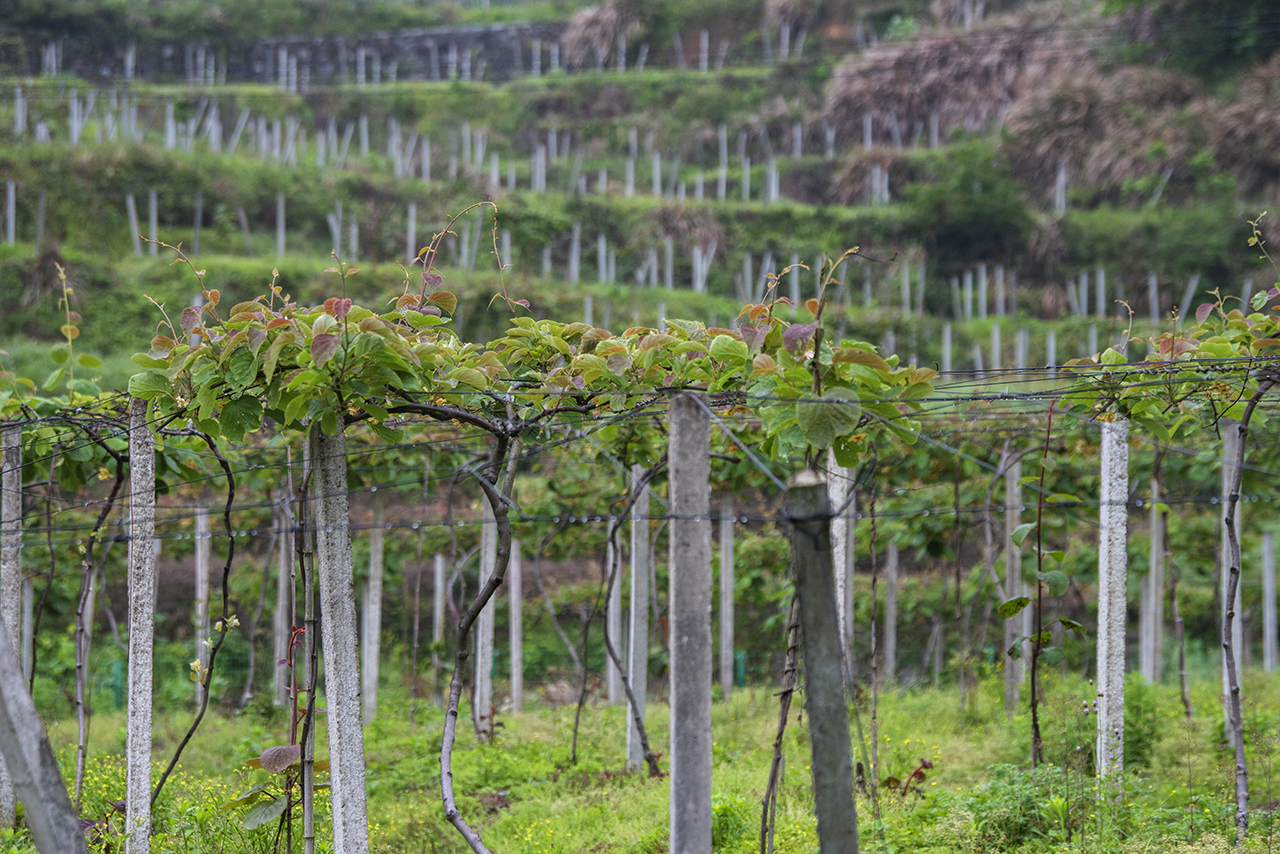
[841,490]
[614,693]
[726,596]
[808,510]
[1014,627]
[515,595]
[482,709]
[1151,616]
[142,586]
[341,665]
[689,561]
[891,612]
[25,748]
[200,619]
[372,647]
[1269,601]
[1113,537]
[638,638]
[10,573]
[1230,429]
[437,624]
[282,624]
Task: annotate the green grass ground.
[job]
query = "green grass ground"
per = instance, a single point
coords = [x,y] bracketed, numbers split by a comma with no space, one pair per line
[528,795]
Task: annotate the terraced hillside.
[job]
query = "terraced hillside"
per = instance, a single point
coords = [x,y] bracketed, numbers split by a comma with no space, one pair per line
[1011,180]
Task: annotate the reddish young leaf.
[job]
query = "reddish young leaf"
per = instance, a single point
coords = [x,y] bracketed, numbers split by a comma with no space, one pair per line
[754,335]
[323,347]
[190,319]
[277,759]
[797,335]
[1203,312]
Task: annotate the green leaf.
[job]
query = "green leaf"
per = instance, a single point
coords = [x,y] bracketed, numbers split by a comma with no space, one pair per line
[1058,555]
[1071,625]
[471,377]
[273,354]
[1020,533]
[146,361]
[389,435]
[53,380]
[830,417]
[240,416]
[263,812]
[1051,655]
[87,361]
[246,798]
[1055,582]
[725,348]
[294,408]
[866,358]
[60,353]
[85,387]
[242,368]
[149,385]
[1014,606]
[206,400]
[329,423]
[1015,649]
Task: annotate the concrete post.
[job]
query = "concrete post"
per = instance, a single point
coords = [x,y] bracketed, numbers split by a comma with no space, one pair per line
[1113,537]
[1230,430]
[638,639]
[808,510]
[614,693]
[982,291]
[341,666]
[282,624]
[482,709]
[1151,618]
[153,227]
[142,586]
[1269,601]
[25,749]
[280,225]
[891,613]
[689,561]
[372,647]
[726,596]
[10,573]
[1014,668]
[411,234]
[437,622]
[200,618]
[840,486]
[515,638]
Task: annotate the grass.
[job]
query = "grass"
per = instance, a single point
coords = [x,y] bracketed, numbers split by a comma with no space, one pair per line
[526,795]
